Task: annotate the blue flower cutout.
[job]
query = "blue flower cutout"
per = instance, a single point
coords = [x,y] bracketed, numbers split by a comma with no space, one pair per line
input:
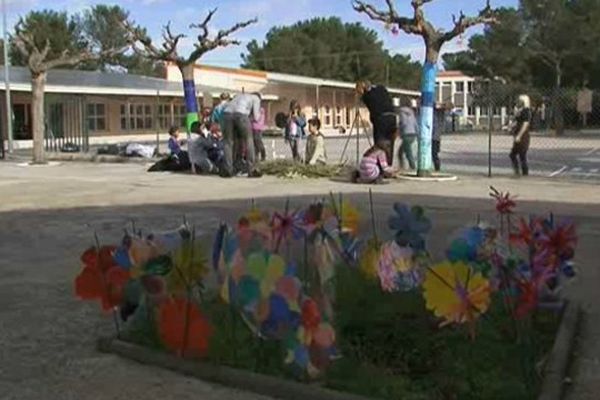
[466,246]
[410,226]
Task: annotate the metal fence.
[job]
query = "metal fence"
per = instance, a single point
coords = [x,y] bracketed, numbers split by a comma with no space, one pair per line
[565,132]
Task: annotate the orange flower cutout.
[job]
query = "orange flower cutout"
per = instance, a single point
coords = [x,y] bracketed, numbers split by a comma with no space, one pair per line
[101,279]
[173,323]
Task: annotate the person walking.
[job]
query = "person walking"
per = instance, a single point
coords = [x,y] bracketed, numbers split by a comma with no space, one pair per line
[439,127]
[409,132]
[381,113]
[258,127]
[294,130]
[522,139]
[238,143]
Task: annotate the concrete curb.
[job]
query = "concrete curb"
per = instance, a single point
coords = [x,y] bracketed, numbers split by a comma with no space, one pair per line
[558,362]
[432,178]
[229,377]
[98,158]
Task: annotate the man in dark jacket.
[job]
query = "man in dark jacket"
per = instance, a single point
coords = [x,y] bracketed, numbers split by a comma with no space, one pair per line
[381,113]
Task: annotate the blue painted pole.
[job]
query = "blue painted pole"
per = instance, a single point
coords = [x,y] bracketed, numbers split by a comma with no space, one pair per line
[425,162]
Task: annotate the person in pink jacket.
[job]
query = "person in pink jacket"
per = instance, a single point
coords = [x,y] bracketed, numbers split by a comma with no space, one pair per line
[258,127]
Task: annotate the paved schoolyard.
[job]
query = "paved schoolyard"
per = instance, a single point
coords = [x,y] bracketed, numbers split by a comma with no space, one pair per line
[46,217]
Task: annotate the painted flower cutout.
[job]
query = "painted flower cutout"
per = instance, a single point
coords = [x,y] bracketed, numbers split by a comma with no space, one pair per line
[369,259]
[456,294]
[189,266]
[397,269]
[101,278]
[183,328]
[410,226]
[286,226]
[505,203]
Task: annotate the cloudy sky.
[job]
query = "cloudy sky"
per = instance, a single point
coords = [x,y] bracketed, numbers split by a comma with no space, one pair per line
[155,13]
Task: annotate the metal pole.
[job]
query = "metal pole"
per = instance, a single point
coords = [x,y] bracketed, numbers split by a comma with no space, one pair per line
[9,114]
[490,116]
[157,122]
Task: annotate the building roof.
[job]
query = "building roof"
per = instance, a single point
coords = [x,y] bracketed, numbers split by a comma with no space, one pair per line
[103,83]
[277,77]
[452,74]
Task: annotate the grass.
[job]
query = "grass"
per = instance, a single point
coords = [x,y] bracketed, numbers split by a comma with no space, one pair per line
[291,169]
[393,348]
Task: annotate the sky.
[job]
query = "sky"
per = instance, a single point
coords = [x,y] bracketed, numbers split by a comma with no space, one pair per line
[154,14]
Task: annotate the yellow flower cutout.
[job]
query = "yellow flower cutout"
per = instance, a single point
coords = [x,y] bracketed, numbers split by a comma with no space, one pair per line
[189,266]
[350,218]
[454,292]
[369,259]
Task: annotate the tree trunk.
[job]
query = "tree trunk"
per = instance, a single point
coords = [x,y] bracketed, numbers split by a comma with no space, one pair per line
[38,83]
[425,163]
[190,97]
[559,121]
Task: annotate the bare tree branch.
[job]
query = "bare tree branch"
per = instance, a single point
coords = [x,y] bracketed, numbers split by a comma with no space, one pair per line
[203,26]
[408,25]
[419,25]
[205,44]
[462,23]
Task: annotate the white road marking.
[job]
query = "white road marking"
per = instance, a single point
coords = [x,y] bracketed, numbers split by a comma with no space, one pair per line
[576,169]
[592,151]
[558,171]
[594,171]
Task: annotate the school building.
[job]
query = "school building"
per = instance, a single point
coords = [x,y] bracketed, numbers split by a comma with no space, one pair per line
[83,105]
[458,89]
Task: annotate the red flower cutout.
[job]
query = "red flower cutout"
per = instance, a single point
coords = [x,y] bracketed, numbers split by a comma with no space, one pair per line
[101,279]
[504,202]
[192,341]
[560,241]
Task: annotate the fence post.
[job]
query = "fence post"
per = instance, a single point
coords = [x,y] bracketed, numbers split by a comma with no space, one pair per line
[490,116]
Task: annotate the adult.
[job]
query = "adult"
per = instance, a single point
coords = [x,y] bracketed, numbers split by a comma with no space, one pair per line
[522,137]
[238,143]
[381,113]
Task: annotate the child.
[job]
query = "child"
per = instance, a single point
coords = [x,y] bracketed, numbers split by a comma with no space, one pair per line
[315,145]
[439,122]
[373,167]
[295,128]
[258,127]
[179,156]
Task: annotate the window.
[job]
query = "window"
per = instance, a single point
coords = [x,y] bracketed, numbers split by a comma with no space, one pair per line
[164,116]
[484,111]
[349,118]
[327,116]
[459,87]
[470,86]
[96,117]
[447,84]
[471,111]
[497,111]
[140,117]
[179,114]
[338,116]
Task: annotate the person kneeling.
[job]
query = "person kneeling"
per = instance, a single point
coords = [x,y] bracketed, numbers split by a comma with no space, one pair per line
[200,150]
[373,167]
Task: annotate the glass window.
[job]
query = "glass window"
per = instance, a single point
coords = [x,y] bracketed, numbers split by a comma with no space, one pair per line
[327,121]
[141,117]
[470,87]
[96,117]
[484,111]
[460,87]
[471,111]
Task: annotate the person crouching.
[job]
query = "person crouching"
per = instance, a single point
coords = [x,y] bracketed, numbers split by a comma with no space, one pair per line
[373,167]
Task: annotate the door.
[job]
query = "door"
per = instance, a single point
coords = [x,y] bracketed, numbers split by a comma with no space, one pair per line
[22,121]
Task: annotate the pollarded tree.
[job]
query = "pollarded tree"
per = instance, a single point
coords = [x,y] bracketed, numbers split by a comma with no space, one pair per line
[434,41]
[168,52]
[44,40]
